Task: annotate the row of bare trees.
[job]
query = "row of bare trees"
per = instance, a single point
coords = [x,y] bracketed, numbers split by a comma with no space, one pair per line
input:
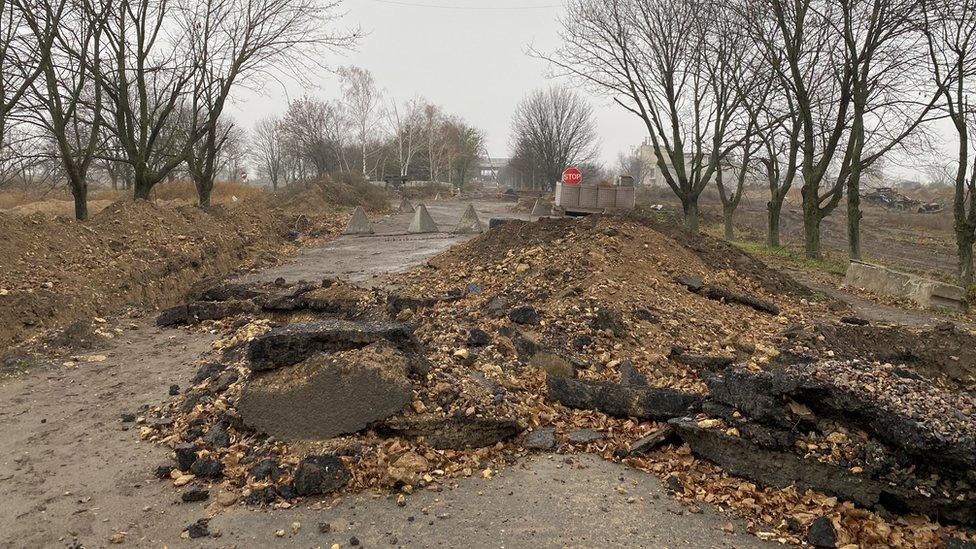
[365,132]
[141,86]
[813,93]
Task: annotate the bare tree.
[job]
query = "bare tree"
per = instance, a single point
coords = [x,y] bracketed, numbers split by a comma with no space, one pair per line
[731,197]
[892,98]
[552,130]
[950,30]
[146,77]
[846,66]
[314,130]
[66,100]
[436,142]
[653,58]
[408,127]
[23,52]
[635,165]
[465,146]
[233,154]
[230,42]
[267,148]
[363,102]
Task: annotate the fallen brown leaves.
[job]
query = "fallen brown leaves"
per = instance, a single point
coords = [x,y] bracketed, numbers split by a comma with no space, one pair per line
[604,292]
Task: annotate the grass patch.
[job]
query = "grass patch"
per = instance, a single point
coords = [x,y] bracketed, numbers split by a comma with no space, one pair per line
[828,266]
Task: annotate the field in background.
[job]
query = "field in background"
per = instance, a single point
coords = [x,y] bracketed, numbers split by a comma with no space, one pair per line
[923,244]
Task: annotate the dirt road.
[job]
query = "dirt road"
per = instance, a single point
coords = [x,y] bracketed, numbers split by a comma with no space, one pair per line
[71,474]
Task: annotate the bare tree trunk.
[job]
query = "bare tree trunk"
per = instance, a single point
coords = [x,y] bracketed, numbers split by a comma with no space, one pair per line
[79,189]
[690,207]
[773,209]
[204,192]
[854,216]
[965,245]
[811,233]
[143,187]
[727,213]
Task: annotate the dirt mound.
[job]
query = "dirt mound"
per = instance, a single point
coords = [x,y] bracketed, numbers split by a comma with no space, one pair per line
[721,255]
[63,208]
[328,194]
[945,353]
[57,271]
[605,282]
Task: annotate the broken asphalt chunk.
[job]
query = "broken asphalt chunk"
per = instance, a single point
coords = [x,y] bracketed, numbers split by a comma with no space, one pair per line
[652,441]
[327,396]
[822,533]
[719,293]
[452,433]
[194,493]
[318,475]
[629,375]
[294,343]
[781,469]
[767,397]
[704,362]
[200,311]
[524,315]
[543,438]
[623,401]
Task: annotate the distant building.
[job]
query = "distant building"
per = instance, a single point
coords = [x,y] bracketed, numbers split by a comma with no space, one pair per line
[490,169]
[654,177]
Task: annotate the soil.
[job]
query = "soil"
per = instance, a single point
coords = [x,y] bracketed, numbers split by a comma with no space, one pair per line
[902,240]
[57,271]
[944,352]
[623,270]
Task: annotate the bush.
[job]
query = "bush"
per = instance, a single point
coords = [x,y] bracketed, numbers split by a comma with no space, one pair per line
[971,295]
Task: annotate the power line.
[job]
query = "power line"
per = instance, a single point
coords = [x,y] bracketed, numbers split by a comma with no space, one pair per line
[467,8]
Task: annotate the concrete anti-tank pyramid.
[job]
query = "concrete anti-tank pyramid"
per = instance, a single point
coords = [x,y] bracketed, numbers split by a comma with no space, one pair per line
[406,207]
[359,224]
[422,222]
[469,222]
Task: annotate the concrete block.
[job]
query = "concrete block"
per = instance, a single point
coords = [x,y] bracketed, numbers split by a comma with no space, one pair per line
[930,294]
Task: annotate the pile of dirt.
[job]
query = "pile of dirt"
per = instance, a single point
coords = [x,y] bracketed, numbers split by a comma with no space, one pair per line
[327,194]
[944,353]
[58,271]
[613,289]
[56,207]
[563,335]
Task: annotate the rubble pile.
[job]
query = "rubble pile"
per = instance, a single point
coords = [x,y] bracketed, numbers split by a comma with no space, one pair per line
[597,292]
[854,429]
[602,335]
[945,353]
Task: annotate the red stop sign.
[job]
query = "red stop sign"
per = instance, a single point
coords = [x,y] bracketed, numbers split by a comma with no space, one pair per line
[572,176]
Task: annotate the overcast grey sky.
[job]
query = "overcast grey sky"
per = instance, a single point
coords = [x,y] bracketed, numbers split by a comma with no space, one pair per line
[466,55]
[469,56]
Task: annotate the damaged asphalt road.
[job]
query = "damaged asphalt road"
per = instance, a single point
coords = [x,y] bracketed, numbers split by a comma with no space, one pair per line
[75,472]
